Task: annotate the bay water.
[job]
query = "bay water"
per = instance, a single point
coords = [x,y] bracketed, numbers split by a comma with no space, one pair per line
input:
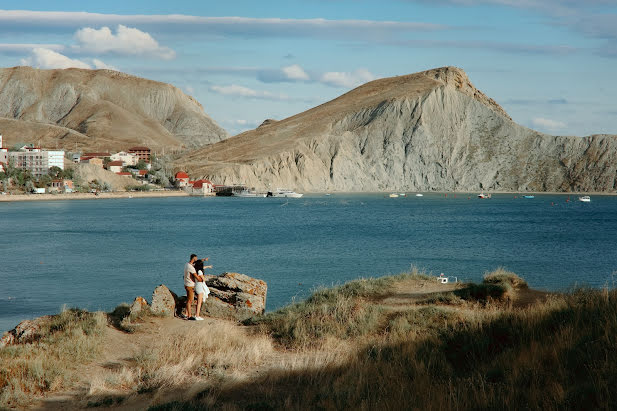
[96,254]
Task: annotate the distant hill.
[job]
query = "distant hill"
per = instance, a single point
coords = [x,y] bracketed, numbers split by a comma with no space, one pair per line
[99,109]
[431,130]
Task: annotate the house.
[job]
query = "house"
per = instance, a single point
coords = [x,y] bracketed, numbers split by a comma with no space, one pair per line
[91,160]
[142,153]
[115,166]
[201,187]
[182,179]
[142,173]
[129,159]
[61,185]
[36,160]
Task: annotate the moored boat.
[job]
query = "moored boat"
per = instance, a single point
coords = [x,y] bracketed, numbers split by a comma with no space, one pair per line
[248,194]
[585,199]
[482,195]
[393,195]
[284,192]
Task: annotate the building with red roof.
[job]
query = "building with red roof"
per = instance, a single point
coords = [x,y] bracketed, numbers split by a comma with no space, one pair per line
[182,179]
[142,153]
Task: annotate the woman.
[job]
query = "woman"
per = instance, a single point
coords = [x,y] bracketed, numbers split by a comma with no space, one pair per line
[201,289]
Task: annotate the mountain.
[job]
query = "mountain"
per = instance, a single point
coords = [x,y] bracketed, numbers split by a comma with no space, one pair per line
[431,130]
[99,109]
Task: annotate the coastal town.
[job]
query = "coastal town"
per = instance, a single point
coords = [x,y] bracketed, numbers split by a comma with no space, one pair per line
[31,169]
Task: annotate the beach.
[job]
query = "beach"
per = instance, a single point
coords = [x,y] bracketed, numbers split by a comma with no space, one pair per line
[91,196]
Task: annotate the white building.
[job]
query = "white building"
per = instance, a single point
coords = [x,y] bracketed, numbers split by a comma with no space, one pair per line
[4,156]
[129,159]
[36,160]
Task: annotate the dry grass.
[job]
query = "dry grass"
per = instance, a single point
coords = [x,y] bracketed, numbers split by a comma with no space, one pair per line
[69,339]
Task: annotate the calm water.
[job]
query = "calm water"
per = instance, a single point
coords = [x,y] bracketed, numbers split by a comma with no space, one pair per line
[96,254]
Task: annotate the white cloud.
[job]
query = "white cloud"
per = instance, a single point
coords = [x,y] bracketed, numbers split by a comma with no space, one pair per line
[233,26]
[346,79]
[295,72]
[49,59]
[548,124]
[241,91]
[98,64]
[126,41]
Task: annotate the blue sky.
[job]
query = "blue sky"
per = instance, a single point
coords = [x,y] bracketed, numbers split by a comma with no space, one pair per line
[550,63]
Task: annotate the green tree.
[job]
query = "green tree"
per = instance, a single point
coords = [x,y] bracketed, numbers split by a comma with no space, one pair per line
[141,165]
[55,172]
[44,181]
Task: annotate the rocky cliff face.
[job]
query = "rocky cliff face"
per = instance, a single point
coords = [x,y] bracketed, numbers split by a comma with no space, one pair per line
[99,109]
[426,131]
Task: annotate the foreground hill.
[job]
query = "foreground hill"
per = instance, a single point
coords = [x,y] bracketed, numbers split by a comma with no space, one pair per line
[401,342]
[426,131]
[99,109]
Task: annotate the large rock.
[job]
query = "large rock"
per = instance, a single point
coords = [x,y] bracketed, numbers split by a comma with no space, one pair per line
[235,296]
[140,304]
[163,301]
[26,331]
[425,131]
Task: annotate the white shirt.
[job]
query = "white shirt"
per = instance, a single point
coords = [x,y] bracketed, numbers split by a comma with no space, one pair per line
[188,270]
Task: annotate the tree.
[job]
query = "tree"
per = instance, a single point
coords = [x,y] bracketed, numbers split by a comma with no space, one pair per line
[44,181]
[55,172]
[141,165]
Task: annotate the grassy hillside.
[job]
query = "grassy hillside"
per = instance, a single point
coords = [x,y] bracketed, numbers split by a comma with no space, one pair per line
[399,342]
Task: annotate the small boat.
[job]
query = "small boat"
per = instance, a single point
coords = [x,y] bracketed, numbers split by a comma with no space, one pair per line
[585,199]
[419,195]
[284,192]
[482,195]
[529,197]
[393,195]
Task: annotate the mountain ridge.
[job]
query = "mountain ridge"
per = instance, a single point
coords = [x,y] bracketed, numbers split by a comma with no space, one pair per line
[426,131]
[100,109]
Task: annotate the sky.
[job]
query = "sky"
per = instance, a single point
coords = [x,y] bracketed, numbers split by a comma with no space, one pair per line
[551,64]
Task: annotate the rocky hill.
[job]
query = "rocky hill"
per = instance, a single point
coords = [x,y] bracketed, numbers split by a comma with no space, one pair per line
[431,130]
[99,109]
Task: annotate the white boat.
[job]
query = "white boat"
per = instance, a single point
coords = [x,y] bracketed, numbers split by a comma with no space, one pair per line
[482,195]
[419,195]
[248,193]
[585,199]
[283,192]
[393,195]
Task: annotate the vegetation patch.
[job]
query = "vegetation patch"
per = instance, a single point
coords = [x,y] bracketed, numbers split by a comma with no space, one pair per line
[67,340]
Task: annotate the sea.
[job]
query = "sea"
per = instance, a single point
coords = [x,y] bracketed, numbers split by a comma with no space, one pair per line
[96,254]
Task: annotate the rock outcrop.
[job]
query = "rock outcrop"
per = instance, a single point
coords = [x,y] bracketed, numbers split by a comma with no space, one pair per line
[163,301]
[26,331]
[235,296]
[99,109]
[421,132]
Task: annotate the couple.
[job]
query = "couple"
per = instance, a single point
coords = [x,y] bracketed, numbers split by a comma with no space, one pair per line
[194,283]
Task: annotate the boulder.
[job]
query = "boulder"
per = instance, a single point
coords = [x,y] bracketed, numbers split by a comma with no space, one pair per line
[138,306]
[163,301]
[235,296]
[26,331]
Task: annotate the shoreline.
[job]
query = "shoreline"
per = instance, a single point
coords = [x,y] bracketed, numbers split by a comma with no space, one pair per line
[179,193]
[91,196]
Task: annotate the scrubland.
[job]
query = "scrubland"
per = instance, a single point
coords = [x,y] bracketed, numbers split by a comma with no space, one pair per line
[397,342]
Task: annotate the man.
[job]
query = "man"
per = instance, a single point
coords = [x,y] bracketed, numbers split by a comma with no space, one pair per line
[189,286]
